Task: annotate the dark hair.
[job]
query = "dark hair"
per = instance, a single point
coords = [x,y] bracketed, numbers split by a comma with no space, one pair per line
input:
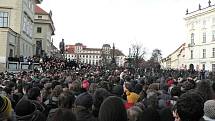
[34,93]
[176,91]
[149,114]
[205,89]
[27,87]
[66,99]
[112,109]
[64,115]
[99,96]
[129,87]
[190,106]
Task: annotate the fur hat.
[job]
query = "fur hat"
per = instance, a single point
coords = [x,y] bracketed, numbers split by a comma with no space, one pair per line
[209,109]
[5,107]
[132,97]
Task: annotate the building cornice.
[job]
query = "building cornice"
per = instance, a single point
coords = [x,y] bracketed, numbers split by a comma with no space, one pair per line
[201,12]
[6,7]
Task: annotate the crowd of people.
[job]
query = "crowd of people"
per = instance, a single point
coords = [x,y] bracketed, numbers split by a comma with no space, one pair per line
[63,91]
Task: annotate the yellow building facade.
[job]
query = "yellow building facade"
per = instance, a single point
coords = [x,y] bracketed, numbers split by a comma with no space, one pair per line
[16,29]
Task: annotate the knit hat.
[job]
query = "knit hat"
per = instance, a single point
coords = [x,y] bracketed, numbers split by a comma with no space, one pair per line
[85,84]
[209,109]
[26,111]
[117,90]
[85,100]
[5,107]
[132,97]
[25,107]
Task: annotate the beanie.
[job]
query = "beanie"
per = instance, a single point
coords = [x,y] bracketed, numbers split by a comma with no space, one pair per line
[118,90]
[209,109]
[85,100]
[25,107]
[5,107]
[132,97]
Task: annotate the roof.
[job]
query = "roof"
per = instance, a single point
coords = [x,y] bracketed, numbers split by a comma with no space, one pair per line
[117,52]
[106,45]
[39,10]
[92,49]
[78,44]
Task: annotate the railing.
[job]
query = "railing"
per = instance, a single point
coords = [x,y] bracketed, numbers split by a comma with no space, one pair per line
[21,66]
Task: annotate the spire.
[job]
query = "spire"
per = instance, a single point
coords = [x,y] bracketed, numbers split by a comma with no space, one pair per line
[199,6]
[113,55]
[209,3]
[187,11]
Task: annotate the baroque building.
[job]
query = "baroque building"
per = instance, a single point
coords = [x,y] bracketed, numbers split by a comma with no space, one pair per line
[95,56]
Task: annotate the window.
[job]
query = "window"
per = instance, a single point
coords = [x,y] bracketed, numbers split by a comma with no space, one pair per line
[192,38]
[40,17]
[204,37]
[191,54]
[25,24]
[213,52]
[39,30]
[213,67]
[11,53]
[213,35]
[204,53]
[203,66]
[3,19]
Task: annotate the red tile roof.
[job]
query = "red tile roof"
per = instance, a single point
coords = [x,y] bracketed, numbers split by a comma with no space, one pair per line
[39,10]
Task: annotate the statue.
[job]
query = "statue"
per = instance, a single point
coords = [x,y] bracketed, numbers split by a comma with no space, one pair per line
[209,3]
[62,46]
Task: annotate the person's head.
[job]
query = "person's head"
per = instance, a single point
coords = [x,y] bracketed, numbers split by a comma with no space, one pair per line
[133,113]
[112,109]
[152,99]
[26,111]
[128,87]
[5,108]
[117,90]
[205,89]
[149,114]
[99,96]
[66,100]
[189,107]
[74,86]
[132,97]
[57,91]
[85,85]
[64,115]
[176,91]
[84,100]
[34,94]
[209,109]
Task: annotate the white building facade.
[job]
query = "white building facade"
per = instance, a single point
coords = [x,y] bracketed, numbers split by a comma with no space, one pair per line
[94,56]
[200,47]
[175,60]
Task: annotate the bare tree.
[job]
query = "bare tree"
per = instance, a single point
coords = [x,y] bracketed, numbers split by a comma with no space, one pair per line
[136,55]
[156,55]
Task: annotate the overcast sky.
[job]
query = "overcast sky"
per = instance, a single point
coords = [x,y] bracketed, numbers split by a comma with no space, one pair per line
[150,23]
